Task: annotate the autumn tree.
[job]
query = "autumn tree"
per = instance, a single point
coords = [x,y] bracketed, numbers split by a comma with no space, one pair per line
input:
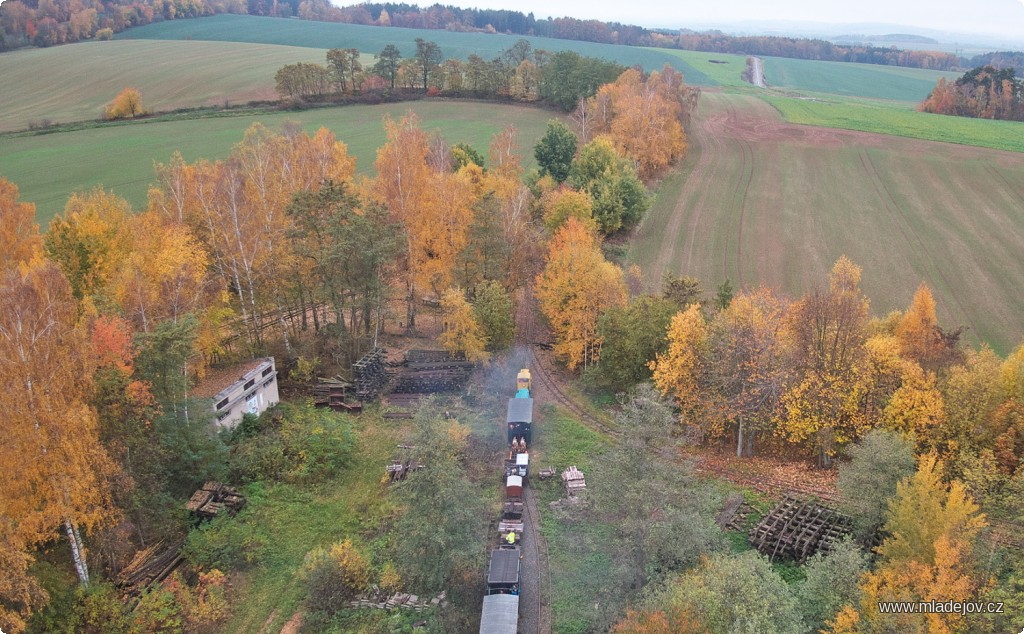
[680,371]
[462,333]
[644,117]
[929,555]
[126,105]
[918,331]
[561,204]
[576,286]
[91,241]
[19,232]
[747,368]
[55,472]
[827,329]
[832,581]
[345,66]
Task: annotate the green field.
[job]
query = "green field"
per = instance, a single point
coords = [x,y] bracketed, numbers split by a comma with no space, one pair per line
[763,202]
[371,39]
[48,167]
[856,80]
[74,82]
[890,118]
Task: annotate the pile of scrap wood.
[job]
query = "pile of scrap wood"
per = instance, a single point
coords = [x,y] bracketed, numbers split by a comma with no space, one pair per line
[398,469]
[574,480]
[332,393]
[797,529]
[548,472]
[150,565]
[213,498]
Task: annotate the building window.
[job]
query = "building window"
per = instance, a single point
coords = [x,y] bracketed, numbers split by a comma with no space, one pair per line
[223,403]
[267,371]
[267,383]
[253,405]
[249,383]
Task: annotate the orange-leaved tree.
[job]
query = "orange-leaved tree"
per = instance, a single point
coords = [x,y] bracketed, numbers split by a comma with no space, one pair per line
[918,329]
[576,286]
[126,105]
[54,470]
[19,233]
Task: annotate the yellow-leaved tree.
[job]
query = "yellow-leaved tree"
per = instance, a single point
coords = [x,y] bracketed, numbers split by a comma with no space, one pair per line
[462,333]
[928,556]
[679,370]
[126,105]
[576,286]
[918,329]
[824,404]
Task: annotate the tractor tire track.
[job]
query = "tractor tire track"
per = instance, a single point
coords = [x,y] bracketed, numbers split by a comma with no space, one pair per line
[903,223]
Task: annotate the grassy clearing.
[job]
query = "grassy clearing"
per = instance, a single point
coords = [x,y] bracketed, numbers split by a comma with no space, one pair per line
[779,204]
[899,120]
[720,68]
[565,441]
[296,521]
[578,563]
[858,80]
[371,39]
[49,167]
[75,82]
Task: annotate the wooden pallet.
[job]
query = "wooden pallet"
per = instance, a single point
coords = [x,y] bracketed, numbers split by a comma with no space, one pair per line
[797,529]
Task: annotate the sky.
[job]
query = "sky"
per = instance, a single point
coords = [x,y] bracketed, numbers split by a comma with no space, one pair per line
[995,17]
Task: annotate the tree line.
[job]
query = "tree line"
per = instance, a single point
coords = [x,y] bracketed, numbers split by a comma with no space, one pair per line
[521,73]
[985,92]
[53,22]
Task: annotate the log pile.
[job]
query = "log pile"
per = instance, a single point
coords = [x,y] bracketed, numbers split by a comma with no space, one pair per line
[796,529]
[428,371]
[369,375]
[150,565]
[548,472]
[574,480]
[214,498]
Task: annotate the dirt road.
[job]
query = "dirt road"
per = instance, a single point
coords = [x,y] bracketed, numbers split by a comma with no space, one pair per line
[757,72]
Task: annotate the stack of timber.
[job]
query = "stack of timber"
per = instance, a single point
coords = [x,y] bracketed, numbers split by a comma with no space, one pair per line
[332,393]
[426,371]
[214,498]
[401,405]
[150,565]
[574,480]
[796,529]
[546,473]
[369,374]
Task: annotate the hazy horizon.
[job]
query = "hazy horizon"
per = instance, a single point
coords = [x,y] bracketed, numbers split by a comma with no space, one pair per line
[999,18]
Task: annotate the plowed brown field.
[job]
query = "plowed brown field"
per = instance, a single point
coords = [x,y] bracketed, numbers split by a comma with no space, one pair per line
[764,202]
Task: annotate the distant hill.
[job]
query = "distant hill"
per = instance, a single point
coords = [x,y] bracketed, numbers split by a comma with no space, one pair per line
[902,38]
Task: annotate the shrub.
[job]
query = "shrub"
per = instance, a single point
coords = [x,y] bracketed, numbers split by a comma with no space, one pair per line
[226,543]
[105,34]
[335,576]
[158,611]
[259,458]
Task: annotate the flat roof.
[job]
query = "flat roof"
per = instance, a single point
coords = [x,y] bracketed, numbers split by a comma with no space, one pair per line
[504,568]
[218,380]
[500,614]
[520,410]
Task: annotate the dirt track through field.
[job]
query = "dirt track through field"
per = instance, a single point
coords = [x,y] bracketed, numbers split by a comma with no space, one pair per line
[763,202]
